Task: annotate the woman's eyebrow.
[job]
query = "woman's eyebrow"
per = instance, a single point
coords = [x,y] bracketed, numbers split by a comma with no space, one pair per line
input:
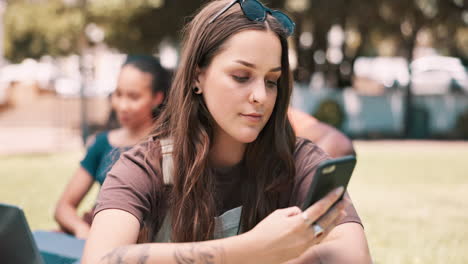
[251,65]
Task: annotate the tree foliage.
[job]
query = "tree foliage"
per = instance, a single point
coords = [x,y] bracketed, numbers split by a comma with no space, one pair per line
[36,28]
[56,27]
[32,30]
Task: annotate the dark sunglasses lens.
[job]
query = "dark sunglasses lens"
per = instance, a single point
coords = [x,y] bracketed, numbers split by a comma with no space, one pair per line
[285,21]
[253,10]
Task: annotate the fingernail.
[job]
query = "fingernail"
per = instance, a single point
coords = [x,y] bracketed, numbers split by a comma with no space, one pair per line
[339,190]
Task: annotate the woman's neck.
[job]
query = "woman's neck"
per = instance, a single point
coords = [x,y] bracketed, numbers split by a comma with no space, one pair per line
[129,136]
[140,131]
[226,151]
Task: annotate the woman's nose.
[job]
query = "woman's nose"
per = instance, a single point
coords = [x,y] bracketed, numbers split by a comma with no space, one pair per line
[123,104]
[258,93]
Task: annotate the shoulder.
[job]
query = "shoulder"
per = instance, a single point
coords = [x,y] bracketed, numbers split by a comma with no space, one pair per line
[307,157]
[148,145]
[116,137]
[141,161]
[134,182]
[138,168]
[306,150]
[146,151]
[98,139]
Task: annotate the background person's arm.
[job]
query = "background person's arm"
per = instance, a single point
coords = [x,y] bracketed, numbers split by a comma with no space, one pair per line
[66,211]
[328,138]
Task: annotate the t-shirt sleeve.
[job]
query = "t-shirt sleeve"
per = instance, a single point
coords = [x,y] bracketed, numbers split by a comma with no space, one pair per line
[131,184]
[308,156]
[93,155]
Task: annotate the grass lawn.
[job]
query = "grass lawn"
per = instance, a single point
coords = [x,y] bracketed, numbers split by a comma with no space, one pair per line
[411,196]
[35,183]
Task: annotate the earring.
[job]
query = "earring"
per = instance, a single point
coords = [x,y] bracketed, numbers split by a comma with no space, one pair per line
[196,90]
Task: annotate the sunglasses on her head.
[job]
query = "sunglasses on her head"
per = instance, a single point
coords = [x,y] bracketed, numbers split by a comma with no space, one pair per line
[256,11]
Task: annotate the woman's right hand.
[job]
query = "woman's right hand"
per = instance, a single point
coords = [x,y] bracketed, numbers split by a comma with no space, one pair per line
[286,233]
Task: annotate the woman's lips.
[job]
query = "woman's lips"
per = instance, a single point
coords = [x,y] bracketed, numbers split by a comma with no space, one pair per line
[124,119]
[252,117]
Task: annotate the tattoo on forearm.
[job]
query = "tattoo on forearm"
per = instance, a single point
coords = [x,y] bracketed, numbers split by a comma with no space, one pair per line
[116,256]
[199,254]
[183,254]
[144,254]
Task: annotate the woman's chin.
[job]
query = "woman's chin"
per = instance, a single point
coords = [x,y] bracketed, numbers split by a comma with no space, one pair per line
[247,137]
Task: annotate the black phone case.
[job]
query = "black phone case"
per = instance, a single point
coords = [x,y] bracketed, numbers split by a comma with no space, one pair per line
[330,175]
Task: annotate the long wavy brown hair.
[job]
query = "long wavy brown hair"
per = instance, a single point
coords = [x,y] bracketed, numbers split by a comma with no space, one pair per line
[268,161]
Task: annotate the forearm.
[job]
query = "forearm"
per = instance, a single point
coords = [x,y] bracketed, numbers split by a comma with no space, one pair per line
[66,213]
[310,256]
[67,217]
[226,251]
[345,244]
[339,252]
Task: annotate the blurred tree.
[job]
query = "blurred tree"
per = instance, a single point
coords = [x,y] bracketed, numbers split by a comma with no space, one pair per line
[409,19]
[330,112]
[56,27]
[367,26]
[37,27]
[142,27]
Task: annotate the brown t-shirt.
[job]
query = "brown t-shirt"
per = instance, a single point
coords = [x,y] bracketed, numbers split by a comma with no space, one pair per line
[134,183]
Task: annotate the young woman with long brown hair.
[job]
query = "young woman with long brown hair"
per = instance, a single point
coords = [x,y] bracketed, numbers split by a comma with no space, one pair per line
[208,185]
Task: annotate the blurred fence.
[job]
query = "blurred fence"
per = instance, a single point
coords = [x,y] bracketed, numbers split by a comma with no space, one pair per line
[434,116]
[37,120]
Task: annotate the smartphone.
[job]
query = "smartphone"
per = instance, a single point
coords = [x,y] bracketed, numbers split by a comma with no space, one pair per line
[330,175]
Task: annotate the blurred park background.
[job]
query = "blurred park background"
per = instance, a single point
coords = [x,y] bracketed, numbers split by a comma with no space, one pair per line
[391,74]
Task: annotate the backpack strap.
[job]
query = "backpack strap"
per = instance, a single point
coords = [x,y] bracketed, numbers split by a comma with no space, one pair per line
[167,161]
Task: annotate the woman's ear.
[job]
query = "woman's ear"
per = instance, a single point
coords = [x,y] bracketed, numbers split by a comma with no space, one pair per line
[199,79]
[158,98]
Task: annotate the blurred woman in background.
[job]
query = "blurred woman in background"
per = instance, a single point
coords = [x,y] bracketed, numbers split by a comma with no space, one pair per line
[141,90]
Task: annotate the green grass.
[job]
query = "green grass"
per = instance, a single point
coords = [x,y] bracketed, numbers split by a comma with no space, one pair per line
[413,201]
[35,183]
[412,197]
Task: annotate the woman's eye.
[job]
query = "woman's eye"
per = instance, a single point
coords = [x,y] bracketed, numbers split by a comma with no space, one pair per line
[241,79]
[134,97]
[271,84]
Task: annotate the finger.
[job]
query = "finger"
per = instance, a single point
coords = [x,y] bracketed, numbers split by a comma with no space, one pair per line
[329,217]
[318,237]
[290,211]
[322,206]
